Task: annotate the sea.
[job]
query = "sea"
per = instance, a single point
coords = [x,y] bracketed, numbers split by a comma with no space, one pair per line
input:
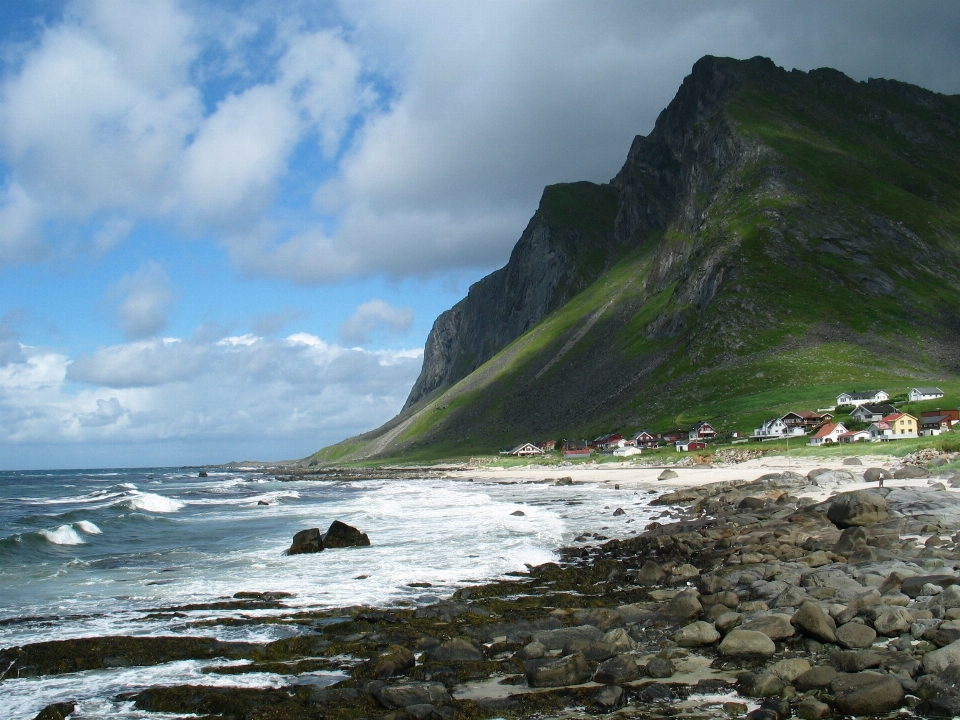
[112,552]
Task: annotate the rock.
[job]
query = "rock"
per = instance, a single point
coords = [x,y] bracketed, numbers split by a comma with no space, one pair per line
[834,478]
[656,693]
[746,643]
[950,597]
[893,622]
[812,475]
[569,670]
[610,698]
[456,650]
[776,627]
[421,711]
[620,640]
[874,474]
[396,660]
[634,613]
[854,636]
[851,539]
[812,709]
[660,668]
[341,535]
[816,678]
[556,639]
[947,632]
[763,685]
[650,574]
[518,513]
[617,670]
[853,661]
[668,475]
[860,507]
[683,606]
[531,651]
[852,461]
[684,572]
[727,622]
[592,650]
[603,618]
[412,693]
[789,670]
[812,621]
[696,634]
[866,694]
[564,481]
[262,502]
[618,512]
[936,662]
[58,711]
[910,472]
[306,541]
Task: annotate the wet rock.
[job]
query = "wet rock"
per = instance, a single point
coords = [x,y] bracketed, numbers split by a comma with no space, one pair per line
[456,650]
[421,711]
[763,685]
[866,694]
[668,475]
[396,660]
[611,698]
[812,709]
[727,622]
[620,669]
[569,670]
[909,472]
[937,661]
[650,574]
[683,606]
[816,678]
[57,711]
[741,643]
[776,626]
[306,541]
[812,621]
[412,693]
[660,668]
[696,634]
[531,651]
[620,640]
[861,507]
[518,513]
[789,670]
[556,639]
[593,650]
[893,622]
[854,661]
[855,636]
[619,511]
[341,535]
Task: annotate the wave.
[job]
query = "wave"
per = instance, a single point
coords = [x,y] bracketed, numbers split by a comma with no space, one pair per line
[63,535]
[85,526]
[150,502]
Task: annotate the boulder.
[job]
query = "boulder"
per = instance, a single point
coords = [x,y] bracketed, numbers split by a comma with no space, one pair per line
[812,475]
[855,636]
[776,627]
[746,643]
[617,670]
[456,650]
[910,472]
[660,668]
[852,461]
[696,634]
[727,622]
[813,621]
[603,618]
[866,694]
[592,650]
[816,678]
[341,535]
[875,474]
[851,539]
[893,622]
[789,670]
[650,574]
[610,698]
[556,639]
[860,507]
[531,651]
[812,709]
[854,661]
[569,670]
[306,541]
[668,475]
[683,606]
[936,662]
[620,640]
[834,478]
[395,660]
[62,710]
[950,597]
[412,693]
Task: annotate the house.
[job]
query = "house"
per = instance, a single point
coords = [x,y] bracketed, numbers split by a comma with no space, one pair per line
[775,428]
[547,445]
[690,445]
[925,393]
[646,439]
[852,436]
[576,449]
[871,412]
[898,426]
[702,431]
[806,418]
[936,424]
[626,451]
[526,450]
[954,415]
[827,434]
[860,398]
[673,436]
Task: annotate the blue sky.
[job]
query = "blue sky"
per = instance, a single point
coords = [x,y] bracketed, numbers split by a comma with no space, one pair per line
[226,228]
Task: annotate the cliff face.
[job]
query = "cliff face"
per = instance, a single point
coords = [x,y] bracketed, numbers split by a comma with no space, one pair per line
[777,236]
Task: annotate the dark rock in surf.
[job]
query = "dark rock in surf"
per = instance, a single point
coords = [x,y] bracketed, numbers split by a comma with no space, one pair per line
[339,535]
[57,711]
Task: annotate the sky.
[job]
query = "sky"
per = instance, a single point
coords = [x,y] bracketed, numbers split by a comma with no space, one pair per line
[226,228]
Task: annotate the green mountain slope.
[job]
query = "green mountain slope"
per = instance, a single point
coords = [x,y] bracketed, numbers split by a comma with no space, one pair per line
[778,238]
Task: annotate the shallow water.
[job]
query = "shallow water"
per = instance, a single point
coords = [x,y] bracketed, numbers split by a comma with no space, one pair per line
[99,553]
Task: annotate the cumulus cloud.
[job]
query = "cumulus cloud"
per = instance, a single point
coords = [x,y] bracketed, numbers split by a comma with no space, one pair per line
[142,300]
[374,316]
[291,396]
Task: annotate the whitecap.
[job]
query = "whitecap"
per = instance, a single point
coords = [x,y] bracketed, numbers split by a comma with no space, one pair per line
[63,535]
[85,526]
[149,502]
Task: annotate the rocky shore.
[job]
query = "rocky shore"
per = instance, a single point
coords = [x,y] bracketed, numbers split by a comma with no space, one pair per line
[757,601]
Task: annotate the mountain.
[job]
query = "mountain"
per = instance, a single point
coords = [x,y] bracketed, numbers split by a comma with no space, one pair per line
[778,237]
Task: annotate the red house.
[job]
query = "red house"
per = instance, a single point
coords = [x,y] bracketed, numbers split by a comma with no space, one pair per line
[702,431]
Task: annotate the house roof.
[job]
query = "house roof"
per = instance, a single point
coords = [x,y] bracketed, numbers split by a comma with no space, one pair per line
[935,419]
[877,408]
[892,417]
[850,433]
[929,391]
[702,423]
[805,414]
[862,395]
[826,430]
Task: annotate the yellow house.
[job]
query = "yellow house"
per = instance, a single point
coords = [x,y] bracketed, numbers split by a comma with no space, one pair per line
[902,424]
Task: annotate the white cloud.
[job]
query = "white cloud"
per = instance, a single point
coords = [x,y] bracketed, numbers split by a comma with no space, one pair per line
[142,300]
[292,395]
[374,316]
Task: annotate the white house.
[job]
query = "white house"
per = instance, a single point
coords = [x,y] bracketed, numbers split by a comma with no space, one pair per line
[626,451]
[859,398]
[775,428]
[853,436]
[829,433]
[925,393]
[868,412]
[526,450]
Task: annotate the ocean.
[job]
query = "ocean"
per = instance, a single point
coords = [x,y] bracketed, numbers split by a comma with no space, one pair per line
[112,552]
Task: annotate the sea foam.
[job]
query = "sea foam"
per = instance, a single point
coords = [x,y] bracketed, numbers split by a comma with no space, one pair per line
[85,526]
[63,535]
[149,502]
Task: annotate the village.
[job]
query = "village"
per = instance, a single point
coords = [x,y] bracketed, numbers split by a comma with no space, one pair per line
[872,418]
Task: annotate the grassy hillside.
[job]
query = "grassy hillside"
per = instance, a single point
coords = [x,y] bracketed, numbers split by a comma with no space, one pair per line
[820,254]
